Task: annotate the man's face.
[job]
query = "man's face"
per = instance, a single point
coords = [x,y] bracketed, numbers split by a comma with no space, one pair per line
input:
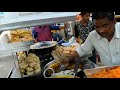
[104,27]
[86,17]
[78,17]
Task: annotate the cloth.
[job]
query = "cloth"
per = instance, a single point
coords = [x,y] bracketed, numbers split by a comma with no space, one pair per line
[5,37]
[109,52]
[57,37]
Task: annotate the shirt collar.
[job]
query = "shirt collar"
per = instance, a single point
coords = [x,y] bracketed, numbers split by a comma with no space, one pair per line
[98,36]
[117,32]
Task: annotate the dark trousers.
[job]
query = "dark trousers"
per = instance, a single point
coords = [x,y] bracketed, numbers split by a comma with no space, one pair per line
[56,37]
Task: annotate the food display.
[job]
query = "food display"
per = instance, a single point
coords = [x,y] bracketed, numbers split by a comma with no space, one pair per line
[20,35]
[112,73]
[62,52]
[104,72]
[29,65]
[55,65]
[59,54]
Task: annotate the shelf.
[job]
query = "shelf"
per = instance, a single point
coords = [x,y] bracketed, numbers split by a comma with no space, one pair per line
[38,20]
[15,47]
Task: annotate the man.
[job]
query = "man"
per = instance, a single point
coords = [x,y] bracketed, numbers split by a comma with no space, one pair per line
[78,19]
[69,29]
[55,35]
[84,26]
[43,33]
[105,39]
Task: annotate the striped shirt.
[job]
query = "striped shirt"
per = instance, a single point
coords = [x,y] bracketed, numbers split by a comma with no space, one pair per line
[84,30]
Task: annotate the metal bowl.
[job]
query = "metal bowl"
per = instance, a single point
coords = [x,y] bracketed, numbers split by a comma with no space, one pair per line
[62,74]
[50,63]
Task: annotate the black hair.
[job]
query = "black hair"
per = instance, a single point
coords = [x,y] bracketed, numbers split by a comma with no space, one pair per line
[101,15]
[83,13]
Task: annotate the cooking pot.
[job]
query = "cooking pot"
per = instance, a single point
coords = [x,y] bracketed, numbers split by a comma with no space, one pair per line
[43,49]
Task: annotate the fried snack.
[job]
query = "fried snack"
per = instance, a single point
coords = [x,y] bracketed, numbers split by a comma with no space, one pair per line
[29,65]
[20,35]
[66,52]
[37,70]
[62,52]
[13,32]
[30,73]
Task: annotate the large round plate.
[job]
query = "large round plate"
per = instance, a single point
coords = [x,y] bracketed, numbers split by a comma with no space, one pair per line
[42,45]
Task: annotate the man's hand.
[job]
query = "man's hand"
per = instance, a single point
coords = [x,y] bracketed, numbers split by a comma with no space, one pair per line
[66,60]
[77,40]
[35,40]
[71,57]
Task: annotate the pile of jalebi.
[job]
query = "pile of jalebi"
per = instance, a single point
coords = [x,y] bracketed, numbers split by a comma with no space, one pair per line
[112,73]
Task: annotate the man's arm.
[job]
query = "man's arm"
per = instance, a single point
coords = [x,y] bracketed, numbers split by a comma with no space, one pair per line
[34,35]
[71,57]
[81,50]
[87,46]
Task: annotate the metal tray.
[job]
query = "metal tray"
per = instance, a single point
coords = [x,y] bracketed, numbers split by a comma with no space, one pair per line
[32,75]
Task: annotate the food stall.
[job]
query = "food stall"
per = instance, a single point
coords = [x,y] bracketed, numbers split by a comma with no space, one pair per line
[17,62]
[13,21]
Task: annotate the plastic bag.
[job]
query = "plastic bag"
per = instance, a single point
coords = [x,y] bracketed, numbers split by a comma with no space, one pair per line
[5,37]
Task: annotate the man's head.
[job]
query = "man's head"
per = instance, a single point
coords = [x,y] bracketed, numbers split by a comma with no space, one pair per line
[104,23]
[78,17]
[85,16]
